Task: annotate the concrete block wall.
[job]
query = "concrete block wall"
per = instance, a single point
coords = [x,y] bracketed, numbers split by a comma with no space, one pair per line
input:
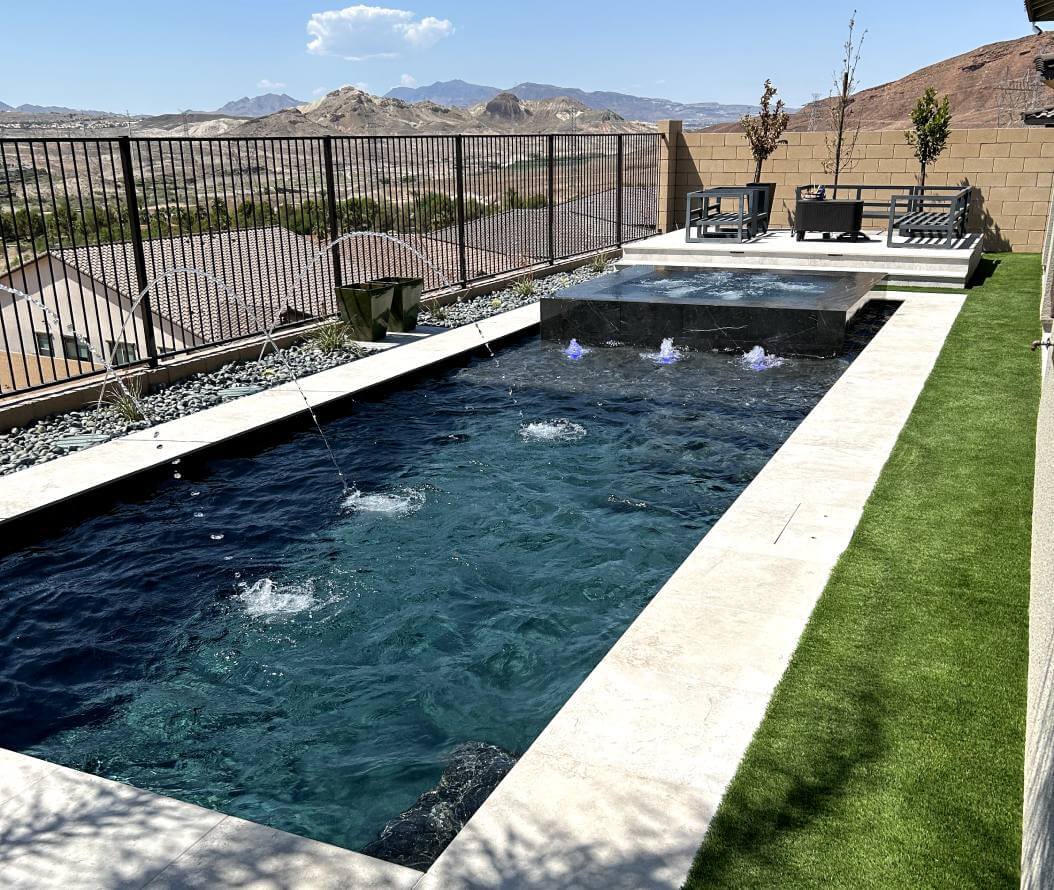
[1012,171]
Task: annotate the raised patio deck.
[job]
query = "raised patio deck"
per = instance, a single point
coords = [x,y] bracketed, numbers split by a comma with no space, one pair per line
[914,264]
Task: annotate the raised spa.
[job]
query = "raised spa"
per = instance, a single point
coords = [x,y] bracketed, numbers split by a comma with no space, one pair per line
[245,638]
[786,313]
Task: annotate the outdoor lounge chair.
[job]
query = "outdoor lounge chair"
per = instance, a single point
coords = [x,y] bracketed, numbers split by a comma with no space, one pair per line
[928,215]
[708,217]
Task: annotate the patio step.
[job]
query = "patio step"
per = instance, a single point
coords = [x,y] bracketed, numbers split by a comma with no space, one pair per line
[908,266]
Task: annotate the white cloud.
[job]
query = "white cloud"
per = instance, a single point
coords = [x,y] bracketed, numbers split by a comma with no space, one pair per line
[407,80]
[363,32]
[318,91]
[266,84]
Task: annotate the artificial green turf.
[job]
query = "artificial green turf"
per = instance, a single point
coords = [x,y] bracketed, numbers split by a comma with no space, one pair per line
[892,751]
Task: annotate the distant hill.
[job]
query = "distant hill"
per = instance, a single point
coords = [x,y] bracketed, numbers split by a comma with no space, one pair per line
[457,93]
[350,110]
[461,94]
[975,82]
[194,124]
[26,108]
[258,106]
[638,108]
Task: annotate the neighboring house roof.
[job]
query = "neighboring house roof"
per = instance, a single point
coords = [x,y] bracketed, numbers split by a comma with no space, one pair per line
[579,225]
[1039,10]
[262,265]
[259,265]
[503,242]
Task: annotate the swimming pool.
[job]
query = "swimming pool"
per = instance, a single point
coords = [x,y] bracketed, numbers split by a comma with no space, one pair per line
[246,638]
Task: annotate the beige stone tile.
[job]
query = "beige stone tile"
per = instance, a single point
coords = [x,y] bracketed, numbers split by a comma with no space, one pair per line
[556,823]
[249,856]
[736,649]
[765,583]
[626,717]
[18,772]
[70,829]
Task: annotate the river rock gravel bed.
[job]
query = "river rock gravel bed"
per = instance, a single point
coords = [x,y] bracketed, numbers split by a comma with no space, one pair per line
[61,434]
[486,305]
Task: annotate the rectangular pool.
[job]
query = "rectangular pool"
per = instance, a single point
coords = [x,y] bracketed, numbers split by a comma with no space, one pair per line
[246,638]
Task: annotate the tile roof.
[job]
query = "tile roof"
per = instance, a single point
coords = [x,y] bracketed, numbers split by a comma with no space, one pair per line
[262,265]
[259,265]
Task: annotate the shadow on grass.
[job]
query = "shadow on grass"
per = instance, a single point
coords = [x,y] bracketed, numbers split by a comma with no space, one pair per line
[986,268]
[791,784]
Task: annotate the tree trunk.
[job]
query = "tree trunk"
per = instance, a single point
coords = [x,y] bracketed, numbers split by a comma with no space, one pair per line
[842,102]
[922,175]
[757,171]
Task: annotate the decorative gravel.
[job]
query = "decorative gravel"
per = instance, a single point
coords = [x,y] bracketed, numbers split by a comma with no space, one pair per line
[486,305]
[61,434]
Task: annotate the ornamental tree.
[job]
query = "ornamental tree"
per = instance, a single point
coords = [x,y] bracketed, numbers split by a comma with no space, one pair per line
[930,127]
[841,149]
[764,129]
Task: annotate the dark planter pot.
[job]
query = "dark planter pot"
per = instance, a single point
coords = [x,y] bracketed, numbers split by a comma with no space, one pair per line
[366,308]
[770,195]
[406,302]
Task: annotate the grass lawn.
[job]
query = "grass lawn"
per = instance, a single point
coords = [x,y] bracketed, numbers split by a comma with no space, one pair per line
[892,751]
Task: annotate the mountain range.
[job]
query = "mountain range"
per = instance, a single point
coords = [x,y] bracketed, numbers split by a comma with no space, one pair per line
[26,108]
[350,110]
[988,86]
[256,106]
[461,94]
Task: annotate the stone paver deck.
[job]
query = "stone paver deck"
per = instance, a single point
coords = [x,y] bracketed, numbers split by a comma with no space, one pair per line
[64,828]
[776,250]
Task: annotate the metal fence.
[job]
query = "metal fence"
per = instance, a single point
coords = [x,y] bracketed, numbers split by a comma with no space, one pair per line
[227,237]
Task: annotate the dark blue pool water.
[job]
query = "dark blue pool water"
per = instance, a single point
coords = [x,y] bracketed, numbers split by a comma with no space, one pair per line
[313,668]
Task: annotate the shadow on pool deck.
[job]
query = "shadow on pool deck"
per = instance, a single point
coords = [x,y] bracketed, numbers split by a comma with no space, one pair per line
[74,830]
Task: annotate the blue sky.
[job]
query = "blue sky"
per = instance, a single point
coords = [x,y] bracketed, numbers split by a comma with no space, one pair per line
[160,57]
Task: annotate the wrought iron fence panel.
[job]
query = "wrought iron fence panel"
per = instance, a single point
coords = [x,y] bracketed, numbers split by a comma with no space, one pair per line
[142,249]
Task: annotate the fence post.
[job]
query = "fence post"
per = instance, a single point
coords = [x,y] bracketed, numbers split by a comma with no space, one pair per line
[459,180]
[331,208]
[618,193]
[124,147]
[549,197]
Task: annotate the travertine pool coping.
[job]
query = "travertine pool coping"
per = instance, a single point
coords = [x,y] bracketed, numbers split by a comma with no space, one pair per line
[619,789]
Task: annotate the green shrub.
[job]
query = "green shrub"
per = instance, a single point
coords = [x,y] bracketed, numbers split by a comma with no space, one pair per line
[330,338]
[525,287]
[125,400]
